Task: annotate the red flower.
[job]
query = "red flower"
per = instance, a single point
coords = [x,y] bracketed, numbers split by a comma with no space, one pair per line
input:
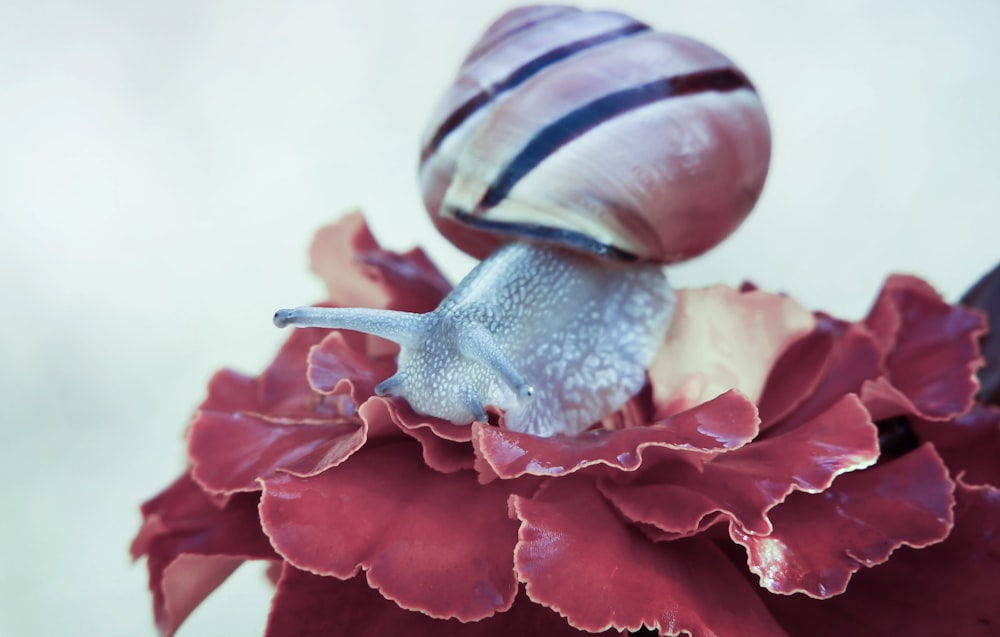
[755,449]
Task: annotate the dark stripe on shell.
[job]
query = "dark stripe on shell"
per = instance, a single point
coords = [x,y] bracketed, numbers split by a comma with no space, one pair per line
[583,119]
[545,234]
[518,77]
[542,16]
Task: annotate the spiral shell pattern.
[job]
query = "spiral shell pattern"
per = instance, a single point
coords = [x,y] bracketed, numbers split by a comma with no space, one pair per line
[590,129]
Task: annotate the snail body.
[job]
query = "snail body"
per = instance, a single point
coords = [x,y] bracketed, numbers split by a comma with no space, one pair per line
[553,337]
[579,152]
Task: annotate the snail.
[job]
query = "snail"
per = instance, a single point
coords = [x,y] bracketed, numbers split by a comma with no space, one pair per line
[578,153]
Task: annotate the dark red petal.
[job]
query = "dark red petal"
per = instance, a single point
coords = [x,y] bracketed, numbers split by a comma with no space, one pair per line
[853,359]
[577,557]
[231,452]
[415,283]
[946,589]
[820,540]
[985,296]
[931,347]
[446,446]
[282,390]
[434,542]
[341,365]
[707,350]
[192,543]
[797,372]
[724,423]
[970,444]
[183,583]
[679,498]
[358,273]
[410,420]
[308,605]
[883,400]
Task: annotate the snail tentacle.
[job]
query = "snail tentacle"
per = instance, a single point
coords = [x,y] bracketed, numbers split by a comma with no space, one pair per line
[389,386]
[405,328]
[476,343]
[476,407]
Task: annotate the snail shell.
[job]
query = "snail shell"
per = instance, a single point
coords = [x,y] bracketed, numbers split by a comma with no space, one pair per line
[591,130]
[567,134]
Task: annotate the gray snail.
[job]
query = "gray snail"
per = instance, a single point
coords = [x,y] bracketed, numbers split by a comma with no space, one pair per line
[578,153]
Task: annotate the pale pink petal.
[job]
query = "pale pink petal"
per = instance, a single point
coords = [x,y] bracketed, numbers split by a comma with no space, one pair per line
[722,339]
[358,273]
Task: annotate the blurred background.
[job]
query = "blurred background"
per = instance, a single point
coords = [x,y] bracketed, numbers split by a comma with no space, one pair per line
[163,166]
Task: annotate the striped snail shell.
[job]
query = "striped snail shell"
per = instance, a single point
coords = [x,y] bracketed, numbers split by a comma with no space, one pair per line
[591,129]
[580,151]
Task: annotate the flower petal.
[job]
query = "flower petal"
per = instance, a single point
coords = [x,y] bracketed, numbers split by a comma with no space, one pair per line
[281,391]
[798,372]
[358,273]
[707,350]
[625,580]
[853,358]
[192,543]
[946,589]
[970,444]
[726,422]
[679,498]
[985,296]
[308,605]
[446,446]
[820,540]
[931,347]
[438,543]
[231,452]
[340,365]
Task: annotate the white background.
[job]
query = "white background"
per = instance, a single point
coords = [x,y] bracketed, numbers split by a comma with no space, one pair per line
[164,164]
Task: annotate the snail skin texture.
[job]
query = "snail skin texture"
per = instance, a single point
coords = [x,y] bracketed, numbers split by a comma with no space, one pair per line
[579,152]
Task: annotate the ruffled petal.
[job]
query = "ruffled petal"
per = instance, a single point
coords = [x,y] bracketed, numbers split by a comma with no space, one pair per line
[446,446]
[985,296]
[727,422]
[340,365]
[577,557]
[308,605]
[359,273]
[946,589]
[679,498]
[798,372]
[819,541]
[853,358]
[231,452]
[970,444]
[438,543]
[192,542]
[281,391]
[930,347]
[708,351]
